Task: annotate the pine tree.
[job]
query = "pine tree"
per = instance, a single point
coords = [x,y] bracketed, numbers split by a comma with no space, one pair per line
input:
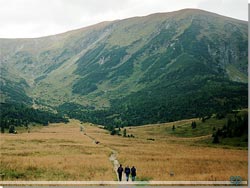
[2,129]
[173,128]
[12,129]
[203,119]
[216,138]
[193,125]
[124,133]
[113,132]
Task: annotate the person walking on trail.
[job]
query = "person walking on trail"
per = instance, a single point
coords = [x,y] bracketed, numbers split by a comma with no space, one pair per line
[133,173]
[127,172]
[119,171]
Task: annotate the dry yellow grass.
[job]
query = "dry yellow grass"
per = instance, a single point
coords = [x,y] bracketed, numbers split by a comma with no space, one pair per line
[156,159]
[56,152]
[62,152]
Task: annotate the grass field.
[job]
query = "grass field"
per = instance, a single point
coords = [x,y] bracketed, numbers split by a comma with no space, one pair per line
[62,152]
[56,152]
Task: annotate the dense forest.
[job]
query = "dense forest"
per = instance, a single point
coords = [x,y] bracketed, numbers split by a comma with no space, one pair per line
[14,114]
[236,127]
[166,105]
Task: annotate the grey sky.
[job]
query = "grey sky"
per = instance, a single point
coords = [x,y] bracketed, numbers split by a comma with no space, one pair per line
[35,18]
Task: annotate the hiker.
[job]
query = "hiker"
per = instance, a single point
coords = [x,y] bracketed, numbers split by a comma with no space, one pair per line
[133,173]
[120,170]
[127,172]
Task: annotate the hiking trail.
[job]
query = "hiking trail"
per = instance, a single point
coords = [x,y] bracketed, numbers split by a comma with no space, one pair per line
[113,157]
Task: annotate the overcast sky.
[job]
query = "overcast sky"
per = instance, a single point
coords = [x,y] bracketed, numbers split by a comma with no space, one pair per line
[35,18]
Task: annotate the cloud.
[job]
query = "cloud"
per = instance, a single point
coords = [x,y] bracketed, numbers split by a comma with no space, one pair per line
[33,18]
[231,8]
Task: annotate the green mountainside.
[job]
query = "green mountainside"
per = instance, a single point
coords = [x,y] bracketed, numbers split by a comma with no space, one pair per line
[158,68]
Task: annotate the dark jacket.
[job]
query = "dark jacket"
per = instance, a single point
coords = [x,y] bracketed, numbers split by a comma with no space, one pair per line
[127,170]
[120,170]
[133,171]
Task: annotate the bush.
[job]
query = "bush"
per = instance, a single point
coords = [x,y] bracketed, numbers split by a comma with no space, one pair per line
[113,132]
[216,139]
[2,129]
[12,129]
[173,128]
[193,125]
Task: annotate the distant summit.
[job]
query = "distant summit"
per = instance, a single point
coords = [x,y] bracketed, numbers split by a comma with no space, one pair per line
[156,68]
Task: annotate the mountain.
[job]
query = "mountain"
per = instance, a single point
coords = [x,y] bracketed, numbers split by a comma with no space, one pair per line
[156,68]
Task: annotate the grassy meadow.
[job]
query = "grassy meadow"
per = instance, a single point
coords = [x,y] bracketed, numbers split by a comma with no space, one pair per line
[62,152]
[56,152]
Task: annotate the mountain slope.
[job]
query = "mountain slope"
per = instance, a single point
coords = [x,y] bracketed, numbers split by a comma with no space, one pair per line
[160,67]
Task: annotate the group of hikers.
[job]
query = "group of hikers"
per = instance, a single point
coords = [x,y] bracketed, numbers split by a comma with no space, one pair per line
[127,171]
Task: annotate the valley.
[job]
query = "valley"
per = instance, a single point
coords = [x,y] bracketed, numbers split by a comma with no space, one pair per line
[62,152]
[166,93]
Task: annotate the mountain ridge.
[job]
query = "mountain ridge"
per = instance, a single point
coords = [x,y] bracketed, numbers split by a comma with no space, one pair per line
[113,64]
[147,15]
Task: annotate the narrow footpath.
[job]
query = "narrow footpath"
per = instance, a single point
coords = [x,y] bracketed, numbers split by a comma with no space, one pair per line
[113,157]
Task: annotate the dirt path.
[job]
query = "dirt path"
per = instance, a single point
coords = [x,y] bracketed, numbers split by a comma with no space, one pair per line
[116,164]
[113,157]
[114,161]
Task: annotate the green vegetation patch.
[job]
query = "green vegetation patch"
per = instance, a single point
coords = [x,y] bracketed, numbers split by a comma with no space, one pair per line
[202,128]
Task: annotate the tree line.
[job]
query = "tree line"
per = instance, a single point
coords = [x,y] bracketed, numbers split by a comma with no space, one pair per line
[163,105]
[235,127]
[13,115]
